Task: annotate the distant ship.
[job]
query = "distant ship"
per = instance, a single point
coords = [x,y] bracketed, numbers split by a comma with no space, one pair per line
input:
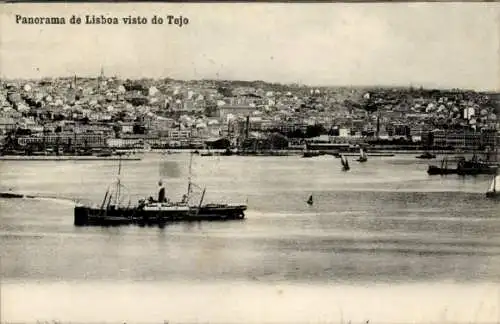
[493,191]
[154,212]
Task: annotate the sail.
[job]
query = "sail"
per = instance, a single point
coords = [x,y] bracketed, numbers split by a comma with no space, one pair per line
[494,186]
[362,155]
[345,163]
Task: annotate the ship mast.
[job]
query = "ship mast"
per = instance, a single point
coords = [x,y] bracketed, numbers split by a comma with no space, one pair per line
[189,175]
[117,196]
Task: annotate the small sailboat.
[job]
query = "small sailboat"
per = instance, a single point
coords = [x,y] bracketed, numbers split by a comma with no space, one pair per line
[310,200]
[493,191]
[345,163]
[362,156]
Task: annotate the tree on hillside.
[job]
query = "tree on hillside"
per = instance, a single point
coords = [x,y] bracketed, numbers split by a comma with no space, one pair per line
[117,130]
[139,129]
[296,133]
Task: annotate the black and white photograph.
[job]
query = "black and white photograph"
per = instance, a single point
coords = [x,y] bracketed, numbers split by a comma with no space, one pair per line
[270,162]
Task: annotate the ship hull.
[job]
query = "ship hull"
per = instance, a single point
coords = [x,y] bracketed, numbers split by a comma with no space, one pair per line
[88,216]
[475,167]
[434,170]
[475,171]
[493,194]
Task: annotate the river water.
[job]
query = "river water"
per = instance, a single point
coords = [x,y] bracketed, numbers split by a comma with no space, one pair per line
[383,242]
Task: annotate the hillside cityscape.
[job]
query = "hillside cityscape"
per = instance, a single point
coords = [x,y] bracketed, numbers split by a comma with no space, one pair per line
[81,115]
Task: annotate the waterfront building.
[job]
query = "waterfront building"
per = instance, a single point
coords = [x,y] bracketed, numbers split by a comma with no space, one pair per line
[176,135]
[290,127]
[72,140]
[127,128]
[137,142]
[464,139]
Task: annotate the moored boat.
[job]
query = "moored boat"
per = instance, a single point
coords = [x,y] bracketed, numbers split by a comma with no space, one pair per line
[475,166]
[442,169]
[435,170]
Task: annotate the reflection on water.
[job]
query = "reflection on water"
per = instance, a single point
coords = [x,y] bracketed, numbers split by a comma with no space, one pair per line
[384,222]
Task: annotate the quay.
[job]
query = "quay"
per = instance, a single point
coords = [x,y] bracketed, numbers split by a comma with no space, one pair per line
[372,154]
[67,158]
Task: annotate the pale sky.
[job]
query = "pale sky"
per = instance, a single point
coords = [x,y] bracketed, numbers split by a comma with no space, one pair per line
[430,44]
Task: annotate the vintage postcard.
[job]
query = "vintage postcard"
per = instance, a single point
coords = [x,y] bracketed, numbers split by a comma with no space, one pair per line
[249,162]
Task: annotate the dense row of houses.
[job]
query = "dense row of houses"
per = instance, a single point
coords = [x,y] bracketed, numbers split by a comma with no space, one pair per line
[112,112]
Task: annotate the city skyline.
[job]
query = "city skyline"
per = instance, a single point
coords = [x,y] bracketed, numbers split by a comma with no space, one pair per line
[438,45]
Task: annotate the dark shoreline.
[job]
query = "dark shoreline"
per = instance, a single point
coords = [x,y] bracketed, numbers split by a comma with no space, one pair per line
[220,152]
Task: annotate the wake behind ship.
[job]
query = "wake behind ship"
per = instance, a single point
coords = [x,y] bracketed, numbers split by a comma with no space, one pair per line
[154,212]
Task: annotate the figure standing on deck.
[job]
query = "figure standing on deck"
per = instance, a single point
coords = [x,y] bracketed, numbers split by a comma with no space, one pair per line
[161,193]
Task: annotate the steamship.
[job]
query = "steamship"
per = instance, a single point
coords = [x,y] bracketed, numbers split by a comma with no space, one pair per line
[154,212]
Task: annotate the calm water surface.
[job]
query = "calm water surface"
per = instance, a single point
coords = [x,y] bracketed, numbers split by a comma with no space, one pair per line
[384,242]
